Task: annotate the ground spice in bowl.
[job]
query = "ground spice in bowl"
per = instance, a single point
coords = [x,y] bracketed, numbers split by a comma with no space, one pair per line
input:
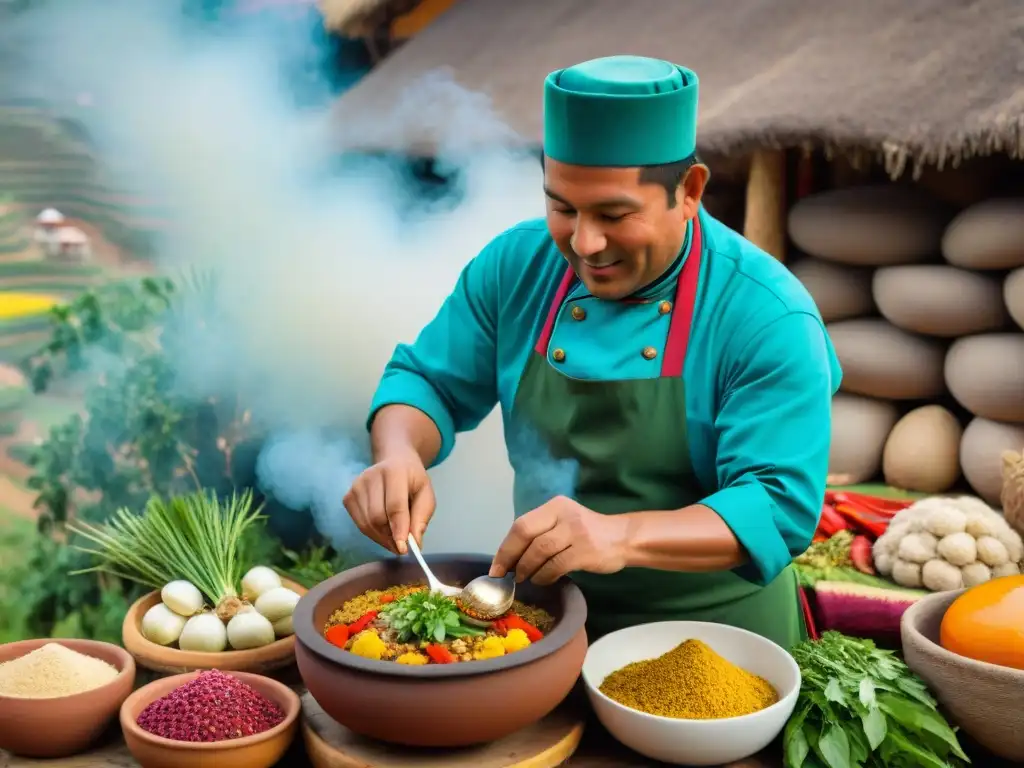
[689,682]
[211,707]
[52,671]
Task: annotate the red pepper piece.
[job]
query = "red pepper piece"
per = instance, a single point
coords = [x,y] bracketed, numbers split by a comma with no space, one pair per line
[337,635]
[387,599]
[860,554]
[864,521]
[499,626]
[439,654]
[831,521]
[361,623]
[514,622]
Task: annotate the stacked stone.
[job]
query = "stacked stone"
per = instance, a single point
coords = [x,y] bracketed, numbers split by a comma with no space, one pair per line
[925,307]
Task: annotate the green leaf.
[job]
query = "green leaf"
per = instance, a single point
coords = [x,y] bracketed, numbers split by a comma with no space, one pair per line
[916,717]
[874,727]
[867,693]
[835,747]
[794,744]
[834,691]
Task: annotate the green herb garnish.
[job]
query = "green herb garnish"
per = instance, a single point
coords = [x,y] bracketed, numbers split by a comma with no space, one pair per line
[427,616]
[861,707]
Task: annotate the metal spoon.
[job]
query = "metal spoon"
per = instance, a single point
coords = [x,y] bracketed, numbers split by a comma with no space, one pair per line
[486,597]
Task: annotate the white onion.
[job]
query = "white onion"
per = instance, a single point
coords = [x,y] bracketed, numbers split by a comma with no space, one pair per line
[283,627]
[161,625]
[258,580]
[205,633]
[249,630]
[277,603]
[182,597]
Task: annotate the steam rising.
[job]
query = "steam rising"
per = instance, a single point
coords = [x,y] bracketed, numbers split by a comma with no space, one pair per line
[321,274]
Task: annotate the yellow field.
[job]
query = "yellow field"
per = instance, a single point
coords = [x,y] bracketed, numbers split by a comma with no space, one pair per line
[14,305]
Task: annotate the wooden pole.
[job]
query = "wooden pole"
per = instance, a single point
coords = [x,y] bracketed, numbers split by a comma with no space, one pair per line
[765,220]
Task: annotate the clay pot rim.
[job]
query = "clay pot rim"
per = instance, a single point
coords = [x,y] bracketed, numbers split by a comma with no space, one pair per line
[144,648]
[80,645]
[926,606]
[574,617]
[279,693]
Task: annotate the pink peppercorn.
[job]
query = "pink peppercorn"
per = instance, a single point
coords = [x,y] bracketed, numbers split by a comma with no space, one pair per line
[212,707]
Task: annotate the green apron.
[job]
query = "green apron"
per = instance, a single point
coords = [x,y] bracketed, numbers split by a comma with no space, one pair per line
[628,441]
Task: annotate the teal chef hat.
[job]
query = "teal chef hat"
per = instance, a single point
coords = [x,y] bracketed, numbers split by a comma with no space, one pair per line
[620,111]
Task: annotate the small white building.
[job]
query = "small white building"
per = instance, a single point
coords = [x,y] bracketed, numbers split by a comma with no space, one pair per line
[73,244]
[47,231]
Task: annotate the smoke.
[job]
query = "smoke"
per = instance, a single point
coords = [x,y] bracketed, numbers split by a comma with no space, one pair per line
[323,268]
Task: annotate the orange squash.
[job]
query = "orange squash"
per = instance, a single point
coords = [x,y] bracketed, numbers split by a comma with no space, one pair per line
[986,623]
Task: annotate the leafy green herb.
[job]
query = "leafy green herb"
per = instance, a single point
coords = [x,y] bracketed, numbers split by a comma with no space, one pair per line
[426,615]
[861,707]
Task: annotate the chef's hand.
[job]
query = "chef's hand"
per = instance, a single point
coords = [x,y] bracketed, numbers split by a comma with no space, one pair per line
[391,499]
[559,537]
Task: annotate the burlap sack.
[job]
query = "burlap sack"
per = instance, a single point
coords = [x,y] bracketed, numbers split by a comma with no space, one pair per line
[985,700]
[1013,489]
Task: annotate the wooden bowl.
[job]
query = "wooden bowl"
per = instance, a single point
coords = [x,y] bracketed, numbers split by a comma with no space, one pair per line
[160,658]
[259,751]
[65,725]
[984,699]
[468,703]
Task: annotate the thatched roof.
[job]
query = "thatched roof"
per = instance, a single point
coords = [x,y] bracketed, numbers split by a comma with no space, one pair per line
[359,18]
[920,81]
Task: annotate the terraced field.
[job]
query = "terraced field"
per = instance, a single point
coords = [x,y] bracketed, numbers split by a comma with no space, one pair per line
[47,161]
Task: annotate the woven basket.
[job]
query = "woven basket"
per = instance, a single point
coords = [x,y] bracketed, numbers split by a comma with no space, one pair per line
[1013,489]
[986,700]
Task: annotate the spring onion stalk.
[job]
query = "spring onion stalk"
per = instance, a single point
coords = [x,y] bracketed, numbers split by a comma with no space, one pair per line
[196,537]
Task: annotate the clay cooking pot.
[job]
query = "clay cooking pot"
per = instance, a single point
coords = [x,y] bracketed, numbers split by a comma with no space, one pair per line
[984,699]
[439,705]
[65,725]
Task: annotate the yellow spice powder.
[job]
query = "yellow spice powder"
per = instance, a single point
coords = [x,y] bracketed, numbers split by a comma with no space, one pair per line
[53,670]
[689,682]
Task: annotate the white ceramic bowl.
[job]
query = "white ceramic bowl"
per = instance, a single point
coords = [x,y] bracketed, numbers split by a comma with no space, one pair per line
[692,742]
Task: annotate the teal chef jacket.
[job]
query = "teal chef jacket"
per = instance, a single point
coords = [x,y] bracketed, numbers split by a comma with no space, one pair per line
[760,371]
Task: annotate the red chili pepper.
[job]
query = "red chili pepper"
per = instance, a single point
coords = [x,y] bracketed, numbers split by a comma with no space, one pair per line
[514,622]
[439,654]
[864,521]
[337,635]
[831,522]
[499,626]
[875,504]
[387,599]
[805,608]
[860,554]
[361,623]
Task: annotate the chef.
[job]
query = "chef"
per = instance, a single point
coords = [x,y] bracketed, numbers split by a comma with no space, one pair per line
[684,373]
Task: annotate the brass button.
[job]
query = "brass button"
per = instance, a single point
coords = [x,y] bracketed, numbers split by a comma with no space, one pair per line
[578,313]
[650,353]
[558,355]
[665,307]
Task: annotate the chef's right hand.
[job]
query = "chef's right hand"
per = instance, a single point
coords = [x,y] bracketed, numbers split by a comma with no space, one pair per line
[392,499]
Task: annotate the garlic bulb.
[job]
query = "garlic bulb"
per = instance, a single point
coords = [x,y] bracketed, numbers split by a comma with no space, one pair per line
[249,630]
[277,603]
[283,627]
[205,633]
[161,625]
[258,580]
[182,597]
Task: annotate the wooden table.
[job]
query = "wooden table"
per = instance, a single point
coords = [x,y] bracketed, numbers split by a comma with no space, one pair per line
[597,750]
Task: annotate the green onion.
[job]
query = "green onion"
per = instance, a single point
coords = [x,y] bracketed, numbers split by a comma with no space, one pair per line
[196,537]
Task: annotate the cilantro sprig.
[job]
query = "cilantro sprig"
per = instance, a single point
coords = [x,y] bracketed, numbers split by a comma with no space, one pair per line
[426,615]
[861,707]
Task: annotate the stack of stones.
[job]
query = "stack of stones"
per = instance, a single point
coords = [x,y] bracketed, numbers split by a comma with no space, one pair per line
[924,304]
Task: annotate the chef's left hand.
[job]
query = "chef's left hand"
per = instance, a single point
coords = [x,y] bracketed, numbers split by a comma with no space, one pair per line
[559,537]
